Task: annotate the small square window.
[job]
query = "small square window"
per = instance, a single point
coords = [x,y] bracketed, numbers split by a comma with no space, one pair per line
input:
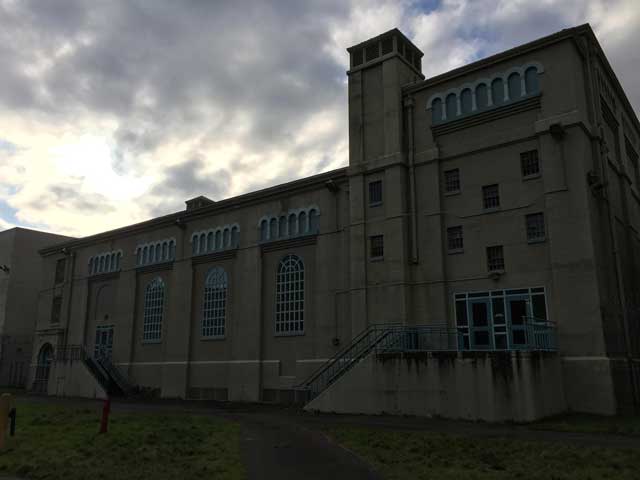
[452,181]
[491,196]
[375,193]
[529,163]
[376,244]
[56,308]
[455,241]
[60,264]
[535,227]
[495,258]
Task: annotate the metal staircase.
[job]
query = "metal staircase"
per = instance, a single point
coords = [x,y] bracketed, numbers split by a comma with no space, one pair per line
[101,368]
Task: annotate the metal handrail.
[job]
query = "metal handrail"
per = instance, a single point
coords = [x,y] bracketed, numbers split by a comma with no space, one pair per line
[398,338]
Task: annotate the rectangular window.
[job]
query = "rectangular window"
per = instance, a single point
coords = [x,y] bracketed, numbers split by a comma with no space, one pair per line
[376,244]
[535,227]
[529,163]
[375,193]
[490,196]
[60,264]
[455,240]
[452,181]
[56,308]
[495,258]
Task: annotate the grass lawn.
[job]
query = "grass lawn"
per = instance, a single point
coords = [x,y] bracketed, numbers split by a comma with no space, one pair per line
[56,442]
[584,423]
[422,455]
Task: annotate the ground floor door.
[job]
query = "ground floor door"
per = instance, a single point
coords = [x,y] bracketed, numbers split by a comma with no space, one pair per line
[480,334]
[518,312]
[43,368]
[104,341]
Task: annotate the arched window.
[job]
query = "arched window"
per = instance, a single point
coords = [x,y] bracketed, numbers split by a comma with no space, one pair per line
[158,252]
[515,89]
[43,368]
[466,101]
[531,80]
[152,253]
[153,310]
[292,225]
[273,229]
[203,243]
[314,224]
[214,310]
[172,250]
[165,251]
[235,237]
[452,106]
[118,260]
[302,223]
[264,228]
[194,245]
[218,240]
[209,241]
[282,226]
[145,255]
[290,296]
[226,238]
[101,268]
[436,111]
[497,91]
[482,96]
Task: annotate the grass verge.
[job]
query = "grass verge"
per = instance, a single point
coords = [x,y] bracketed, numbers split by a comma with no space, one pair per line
[421,455]
[584,423]
[58,442]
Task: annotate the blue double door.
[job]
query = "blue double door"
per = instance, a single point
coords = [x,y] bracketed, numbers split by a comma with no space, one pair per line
[498,323]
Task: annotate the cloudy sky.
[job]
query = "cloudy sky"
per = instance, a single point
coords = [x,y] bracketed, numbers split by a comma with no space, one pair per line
[114,112]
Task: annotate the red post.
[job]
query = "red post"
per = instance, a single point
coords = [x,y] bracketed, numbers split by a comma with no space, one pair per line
[104,422]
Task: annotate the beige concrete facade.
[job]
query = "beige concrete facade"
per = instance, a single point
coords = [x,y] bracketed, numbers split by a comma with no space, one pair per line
[568,228]
[20,283]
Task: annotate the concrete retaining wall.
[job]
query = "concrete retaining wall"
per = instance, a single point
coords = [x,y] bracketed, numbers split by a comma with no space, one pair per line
[474,385]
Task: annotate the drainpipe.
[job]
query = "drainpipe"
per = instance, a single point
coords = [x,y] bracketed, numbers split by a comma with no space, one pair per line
[408,105]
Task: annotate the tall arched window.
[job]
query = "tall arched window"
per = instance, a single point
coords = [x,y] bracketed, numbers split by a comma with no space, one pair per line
[452,106]
[153,310]
[218,240]
[273,229]
[466,101]
[282,225]
[226,238]
[515,88]
[292,225]
[314,223]
[43,367]
[214,310]
[165,251]
[210,242]
[234,237]
[194,245]
[290,296]
[497,91]
[303,227]
[264,228]
[436,111]
[172,250]
[482,96]
[531,80]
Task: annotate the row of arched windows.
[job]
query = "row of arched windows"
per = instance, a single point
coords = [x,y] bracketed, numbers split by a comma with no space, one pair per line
[510,87]
[292,224]
[215,239]
[105,262]
[156,252]
[289,302]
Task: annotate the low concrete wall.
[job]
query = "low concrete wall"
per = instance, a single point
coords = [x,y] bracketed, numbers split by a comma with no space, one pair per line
[472,385]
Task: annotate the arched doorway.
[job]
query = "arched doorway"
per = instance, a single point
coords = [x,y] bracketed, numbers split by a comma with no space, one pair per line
[43,368]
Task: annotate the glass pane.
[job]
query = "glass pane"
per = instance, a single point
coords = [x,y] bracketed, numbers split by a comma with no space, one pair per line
[481,338]
[479,314]
[539,307]
[461,313]
[519,337]
[498,311]
[518,310]
[501,342]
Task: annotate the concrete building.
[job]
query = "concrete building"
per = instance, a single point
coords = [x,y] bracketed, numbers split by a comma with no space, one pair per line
[20,283]
[477,258]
